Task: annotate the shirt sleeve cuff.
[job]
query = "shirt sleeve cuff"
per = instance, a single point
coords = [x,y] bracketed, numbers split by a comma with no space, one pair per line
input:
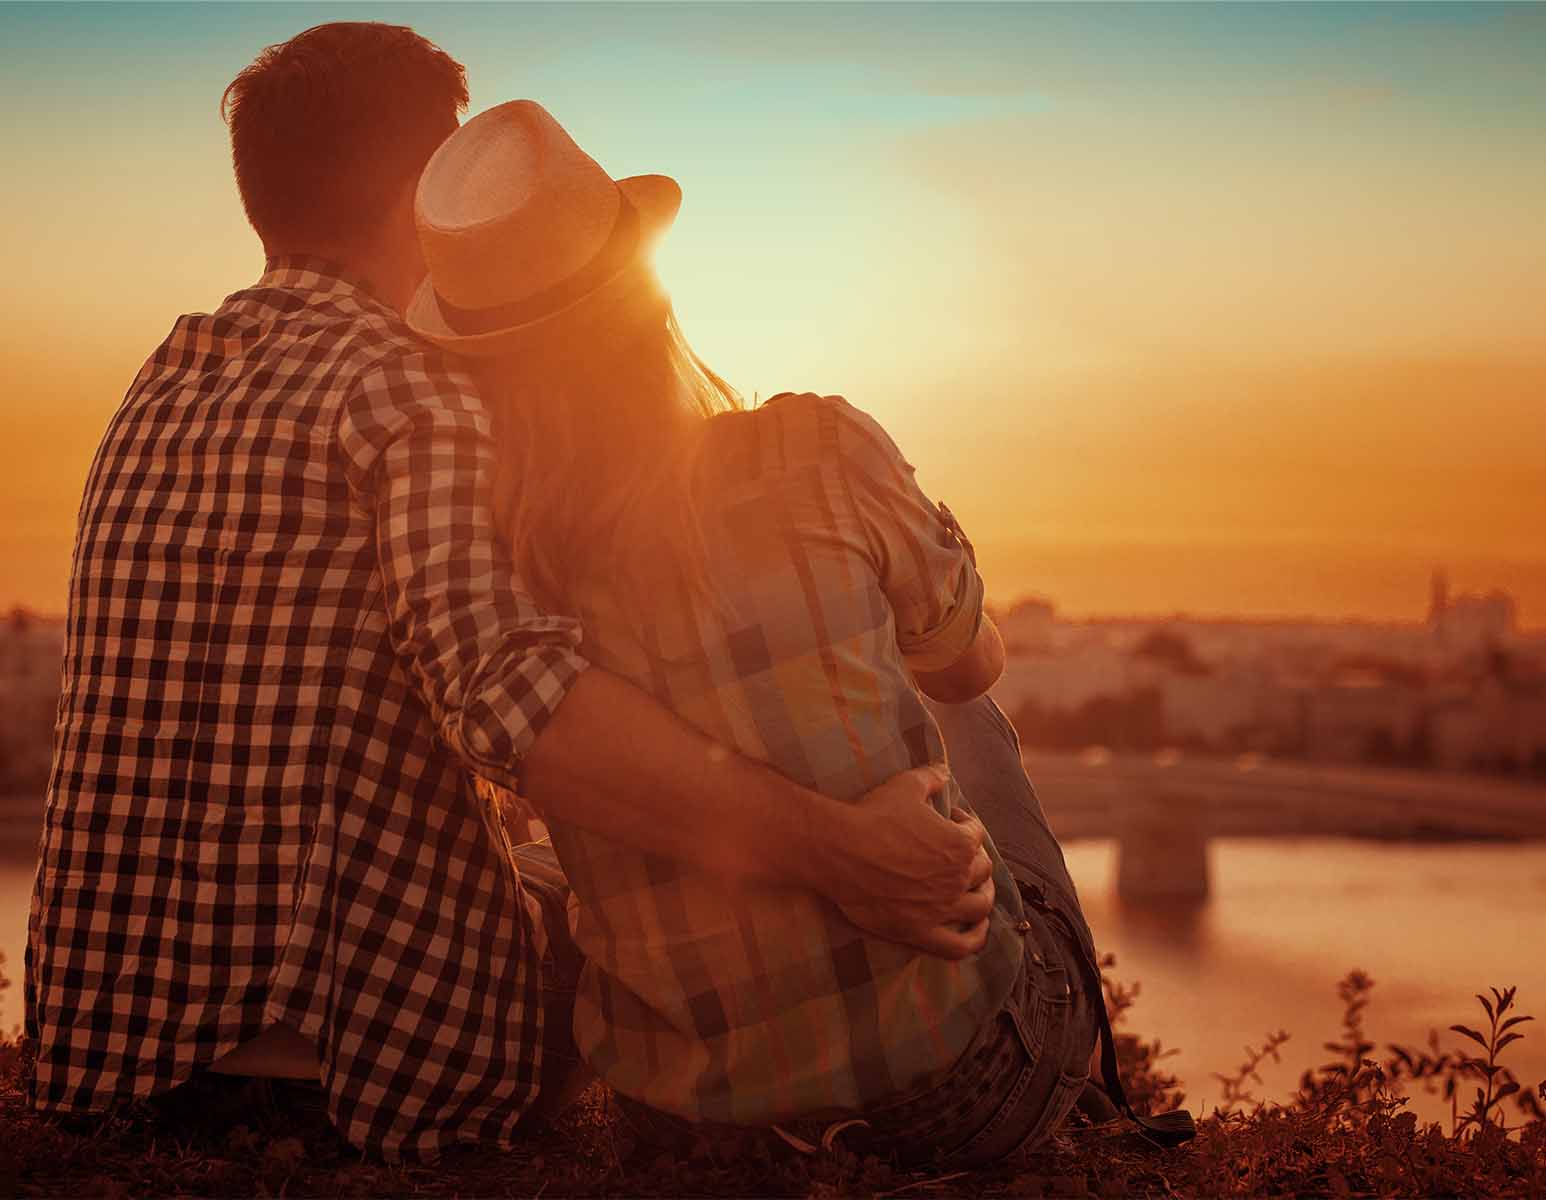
[953,636]
[508,722]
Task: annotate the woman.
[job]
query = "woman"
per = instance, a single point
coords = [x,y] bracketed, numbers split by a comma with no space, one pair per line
[776,577]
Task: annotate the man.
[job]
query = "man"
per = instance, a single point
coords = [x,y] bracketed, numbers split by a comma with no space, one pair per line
[292,639]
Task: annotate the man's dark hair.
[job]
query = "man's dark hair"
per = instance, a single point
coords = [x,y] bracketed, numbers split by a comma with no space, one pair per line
[327,128]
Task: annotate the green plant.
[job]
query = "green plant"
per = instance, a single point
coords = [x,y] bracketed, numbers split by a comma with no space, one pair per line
[1234,1086]
[1497,1081]
[1351,1083]
[1435,1068]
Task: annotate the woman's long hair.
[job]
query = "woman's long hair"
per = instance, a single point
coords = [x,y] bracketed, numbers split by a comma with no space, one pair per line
[597,429]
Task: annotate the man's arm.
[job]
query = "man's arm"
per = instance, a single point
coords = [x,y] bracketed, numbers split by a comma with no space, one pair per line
[613,760]
[506,686]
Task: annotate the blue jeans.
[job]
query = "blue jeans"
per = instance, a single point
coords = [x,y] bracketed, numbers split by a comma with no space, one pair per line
[985,760]
[1025,1069]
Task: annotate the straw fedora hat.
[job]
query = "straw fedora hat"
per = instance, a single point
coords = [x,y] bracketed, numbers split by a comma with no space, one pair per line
[524,234]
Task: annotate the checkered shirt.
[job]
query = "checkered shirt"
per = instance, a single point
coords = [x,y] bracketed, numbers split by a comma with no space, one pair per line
[291,634]
[752,1004]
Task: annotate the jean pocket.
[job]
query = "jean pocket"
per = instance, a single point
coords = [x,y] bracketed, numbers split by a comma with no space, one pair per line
[1043,1090]
[1036,1014]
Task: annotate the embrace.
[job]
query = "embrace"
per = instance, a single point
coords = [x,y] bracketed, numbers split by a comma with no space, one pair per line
[441,511]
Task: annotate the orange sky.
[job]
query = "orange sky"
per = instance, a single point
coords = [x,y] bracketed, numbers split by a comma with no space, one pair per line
[1219,308]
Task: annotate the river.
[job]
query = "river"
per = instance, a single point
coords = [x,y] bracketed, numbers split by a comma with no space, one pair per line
[1432,924]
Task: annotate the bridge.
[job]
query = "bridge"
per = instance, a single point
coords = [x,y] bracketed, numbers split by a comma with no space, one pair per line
[1163,809]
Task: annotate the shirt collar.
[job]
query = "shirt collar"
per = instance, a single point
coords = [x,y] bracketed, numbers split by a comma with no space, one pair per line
[307,273]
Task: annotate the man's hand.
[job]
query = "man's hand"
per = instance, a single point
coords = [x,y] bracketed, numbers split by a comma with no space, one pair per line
[612,760]
[902,872]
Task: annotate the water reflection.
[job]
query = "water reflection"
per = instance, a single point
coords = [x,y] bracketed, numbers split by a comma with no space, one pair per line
[1287,918]
[1182,927]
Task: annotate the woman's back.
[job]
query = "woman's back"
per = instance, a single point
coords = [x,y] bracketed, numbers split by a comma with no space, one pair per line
[834,575]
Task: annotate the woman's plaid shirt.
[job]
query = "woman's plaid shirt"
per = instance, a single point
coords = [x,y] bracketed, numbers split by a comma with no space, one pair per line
[836,577]
[291,632]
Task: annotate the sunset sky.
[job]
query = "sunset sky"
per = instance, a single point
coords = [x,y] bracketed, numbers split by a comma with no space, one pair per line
[1231,309]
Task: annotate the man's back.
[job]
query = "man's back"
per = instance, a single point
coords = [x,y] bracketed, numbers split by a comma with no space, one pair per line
[251,818]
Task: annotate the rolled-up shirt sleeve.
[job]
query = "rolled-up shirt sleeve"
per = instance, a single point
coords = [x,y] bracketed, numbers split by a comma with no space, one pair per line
[490,665]
[926,572]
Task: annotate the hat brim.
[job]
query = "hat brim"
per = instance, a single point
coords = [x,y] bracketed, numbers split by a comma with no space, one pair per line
[656,198]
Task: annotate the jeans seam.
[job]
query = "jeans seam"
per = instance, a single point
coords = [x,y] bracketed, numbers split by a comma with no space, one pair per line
[1031,1027]
[1000,1117]
[1068,1086]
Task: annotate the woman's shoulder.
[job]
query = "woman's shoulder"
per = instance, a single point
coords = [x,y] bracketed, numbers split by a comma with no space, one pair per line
[806,406]
[810,426]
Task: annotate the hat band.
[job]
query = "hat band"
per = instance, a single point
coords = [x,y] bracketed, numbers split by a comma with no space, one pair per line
[613,256]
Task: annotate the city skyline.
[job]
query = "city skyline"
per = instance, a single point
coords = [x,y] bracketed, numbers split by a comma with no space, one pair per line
[1222,309]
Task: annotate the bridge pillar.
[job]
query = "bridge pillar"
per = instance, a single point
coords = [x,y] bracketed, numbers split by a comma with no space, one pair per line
[1162,849]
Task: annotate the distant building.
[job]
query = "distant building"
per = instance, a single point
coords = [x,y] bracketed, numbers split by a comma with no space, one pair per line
[30,646]
[1361,717]
[1473,622]
[1028,627]
[1222,711]
[1063,681]
[1500,725]
[1438,597]
[31,649]
[1463,690]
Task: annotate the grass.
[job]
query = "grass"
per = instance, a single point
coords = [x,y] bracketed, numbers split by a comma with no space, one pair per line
[1344,1133]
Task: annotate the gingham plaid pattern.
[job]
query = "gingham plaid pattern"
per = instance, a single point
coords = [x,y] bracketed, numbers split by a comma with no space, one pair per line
[290,634]
[750,1005]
